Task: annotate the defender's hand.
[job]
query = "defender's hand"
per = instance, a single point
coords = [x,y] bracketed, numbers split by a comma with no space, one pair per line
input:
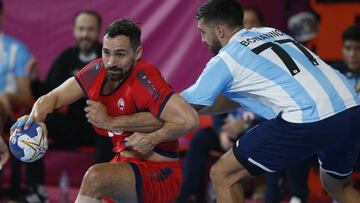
[140,143]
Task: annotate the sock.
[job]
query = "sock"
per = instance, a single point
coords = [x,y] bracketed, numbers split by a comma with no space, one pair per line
[86,199]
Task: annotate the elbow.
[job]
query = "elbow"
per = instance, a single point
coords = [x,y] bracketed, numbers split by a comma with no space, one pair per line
[191,121]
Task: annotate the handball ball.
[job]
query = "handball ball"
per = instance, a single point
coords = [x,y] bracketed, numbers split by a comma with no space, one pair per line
[28,145]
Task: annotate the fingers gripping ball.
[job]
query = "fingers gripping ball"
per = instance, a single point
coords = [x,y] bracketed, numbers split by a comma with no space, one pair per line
[28,145]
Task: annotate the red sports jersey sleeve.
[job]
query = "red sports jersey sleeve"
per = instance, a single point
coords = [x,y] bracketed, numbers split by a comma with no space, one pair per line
[87,76]
[151,90]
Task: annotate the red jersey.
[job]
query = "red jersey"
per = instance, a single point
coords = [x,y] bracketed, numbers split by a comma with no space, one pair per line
[144,89]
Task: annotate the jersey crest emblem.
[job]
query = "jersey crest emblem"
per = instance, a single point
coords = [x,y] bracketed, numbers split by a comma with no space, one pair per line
[121,104]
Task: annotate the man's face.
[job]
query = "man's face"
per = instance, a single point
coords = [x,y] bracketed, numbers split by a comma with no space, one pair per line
[251,20]
[208,36]
[351,53]
[118,56]
[86,31]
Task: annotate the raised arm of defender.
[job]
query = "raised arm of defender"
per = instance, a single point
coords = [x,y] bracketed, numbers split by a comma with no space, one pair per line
[178,117]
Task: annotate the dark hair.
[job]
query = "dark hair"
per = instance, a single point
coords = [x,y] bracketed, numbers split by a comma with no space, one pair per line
[229,12]
[90,12]
[257,13]
[352,33]
[125,27]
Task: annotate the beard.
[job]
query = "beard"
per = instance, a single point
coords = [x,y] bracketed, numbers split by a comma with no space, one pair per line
[117,74]
[86,44]
[215,46]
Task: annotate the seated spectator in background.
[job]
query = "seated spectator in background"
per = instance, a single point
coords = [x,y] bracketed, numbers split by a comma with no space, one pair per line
[15,94]
[196,161]
[351,55]
[252,18]
[351,65]
[14,83]
[78,132]
[220,137]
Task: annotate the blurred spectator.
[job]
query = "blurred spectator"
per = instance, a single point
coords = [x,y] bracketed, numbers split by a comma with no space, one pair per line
[252,18]
[15,94]
[78,131]
[351,66]
[303,26]
[351,55]
[220,137]
[14,82]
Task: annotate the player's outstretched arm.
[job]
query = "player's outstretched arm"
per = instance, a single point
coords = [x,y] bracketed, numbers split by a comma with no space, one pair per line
[144,122]
[179,118]
[65,94]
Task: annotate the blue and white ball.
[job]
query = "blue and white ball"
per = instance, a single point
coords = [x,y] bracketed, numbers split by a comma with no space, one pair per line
[28,145]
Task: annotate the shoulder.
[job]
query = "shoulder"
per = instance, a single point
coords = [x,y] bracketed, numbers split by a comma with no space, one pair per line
[143,65]
[92,69]
[94,65]
[145,69]
[69,52]
[13,41]
[87,75]
[216,62]
[149,77]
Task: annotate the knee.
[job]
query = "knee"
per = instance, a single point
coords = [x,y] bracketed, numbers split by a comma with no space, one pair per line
[218,175]
[92,183]
[222,177]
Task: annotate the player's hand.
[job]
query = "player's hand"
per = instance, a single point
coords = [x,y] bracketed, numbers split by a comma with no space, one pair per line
[4,153]
[96,114]
[140,143]
[24,122]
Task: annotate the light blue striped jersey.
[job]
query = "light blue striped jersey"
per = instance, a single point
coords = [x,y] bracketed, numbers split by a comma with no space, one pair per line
[14,57]
[269,73]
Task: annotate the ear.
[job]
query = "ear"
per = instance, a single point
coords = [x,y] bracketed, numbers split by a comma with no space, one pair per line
[138,53]
[219,31]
